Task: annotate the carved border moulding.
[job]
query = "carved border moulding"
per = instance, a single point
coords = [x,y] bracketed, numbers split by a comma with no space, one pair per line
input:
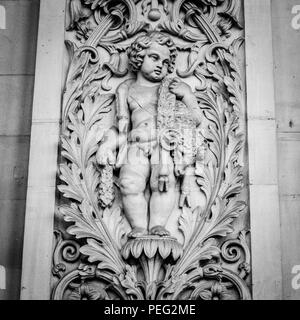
[200,249]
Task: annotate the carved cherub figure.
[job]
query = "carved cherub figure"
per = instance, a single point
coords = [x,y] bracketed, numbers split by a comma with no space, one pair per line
[146,108]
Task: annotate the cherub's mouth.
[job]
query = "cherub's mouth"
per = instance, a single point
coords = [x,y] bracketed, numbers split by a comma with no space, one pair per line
[157,72]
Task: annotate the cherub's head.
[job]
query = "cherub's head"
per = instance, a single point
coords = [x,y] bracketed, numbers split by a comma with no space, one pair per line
[153,55]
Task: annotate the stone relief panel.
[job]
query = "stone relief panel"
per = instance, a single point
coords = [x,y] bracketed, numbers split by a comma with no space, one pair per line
[152,187]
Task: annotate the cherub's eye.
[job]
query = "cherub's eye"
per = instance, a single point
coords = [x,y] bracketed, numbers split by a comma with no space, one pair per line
[154,57]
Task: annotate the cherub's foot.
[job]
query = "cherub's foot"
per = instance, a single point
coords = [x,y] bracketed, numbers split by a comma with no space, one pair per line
[159,231]
[137,232]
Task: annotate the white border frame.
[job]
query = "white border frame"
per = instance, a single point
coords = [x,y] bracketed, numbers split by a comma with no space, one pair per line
[264,198]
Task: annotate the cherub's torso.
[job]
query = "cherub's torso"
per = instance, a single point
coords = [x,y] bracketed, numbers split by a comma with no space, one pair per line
[142,102]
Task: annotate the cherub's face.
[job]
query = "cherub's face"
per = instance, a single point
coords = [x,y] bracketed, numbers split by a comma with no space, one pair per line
[156,62]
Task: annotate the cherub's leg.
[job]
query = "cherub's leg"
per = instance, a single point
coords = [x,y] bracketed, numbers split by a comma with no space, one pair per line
[133,177]
[161,203]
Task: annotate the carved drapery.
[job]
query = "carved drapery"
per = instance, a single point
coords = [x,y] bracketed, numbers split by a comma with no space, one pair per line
[207,255]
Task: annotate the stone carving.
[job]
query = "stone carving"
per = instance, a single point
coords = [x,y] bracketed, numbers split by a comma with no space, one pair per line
[152,193]
[147,105]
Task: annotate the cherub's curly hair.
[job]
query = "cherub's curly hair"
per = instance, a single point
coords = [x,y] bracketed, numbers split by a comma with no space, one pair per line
[136,52]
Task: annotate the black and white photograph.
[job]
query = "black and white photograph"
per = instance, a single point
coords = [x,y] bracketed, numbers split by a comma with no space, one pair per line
[150,151]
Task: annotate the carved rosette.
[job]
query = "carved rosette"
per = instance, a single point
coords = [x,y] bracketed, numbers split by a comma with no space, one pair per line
[208,256]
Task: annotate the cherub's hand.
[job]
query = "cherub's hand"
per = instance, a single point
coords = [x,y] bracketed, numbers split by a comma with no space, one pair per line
[105,156]
[180,89]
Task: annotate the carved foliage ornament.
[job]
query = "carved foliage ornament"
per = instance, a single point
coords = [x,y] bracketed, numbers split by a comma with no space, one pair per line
[202,251]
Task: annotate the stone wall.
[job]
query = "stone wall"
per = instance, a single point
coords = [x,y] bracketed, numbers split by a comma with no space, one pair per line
[17,67]
[286,45]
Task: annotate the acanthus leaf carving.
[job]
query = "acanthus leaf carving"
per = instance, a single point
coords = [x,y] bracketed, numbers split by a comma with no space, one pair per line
[187,222]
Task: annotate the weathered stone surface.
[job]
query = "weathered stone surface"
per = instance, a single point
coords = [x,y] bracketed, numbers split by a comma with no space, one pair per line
[287,67]
[262,151]
[19,38]
[16,104]
[17,65]
[289,188]
[13,167]
[288,161]
[12,215]
[11,242]
[13,278]
[266,285]
[290,230]
[40,203]
[286,46]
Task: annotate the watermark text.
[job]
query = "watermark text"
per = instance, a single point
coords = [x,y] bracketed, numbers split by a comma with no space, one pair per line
[296,17]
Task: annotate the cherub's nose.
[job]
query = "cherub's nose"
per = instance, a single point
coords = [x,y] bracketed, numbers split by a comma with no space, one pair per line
[159,64]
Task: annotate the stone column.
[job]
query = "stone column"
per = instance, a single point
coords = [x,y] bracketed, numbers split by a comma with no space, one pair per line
[262,148]
[40,207]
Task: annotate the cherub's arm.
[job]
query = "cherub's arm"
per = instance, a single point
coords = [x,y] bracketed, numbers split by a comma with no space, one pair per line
[123,114]
[123,118]
[115,137]
[183,91]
